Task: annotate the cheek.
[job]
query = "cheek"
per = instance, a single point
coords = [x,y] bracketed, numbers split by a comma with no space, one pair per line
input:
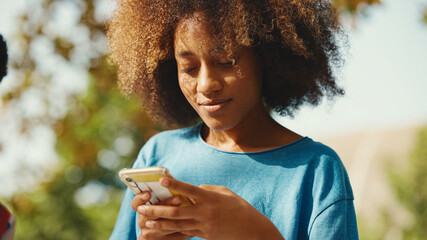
[187,87]
[255,81]
[248,83]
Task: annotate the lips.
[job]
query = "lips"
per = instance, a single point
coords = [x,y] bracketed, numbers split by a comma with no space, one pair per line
[214,105]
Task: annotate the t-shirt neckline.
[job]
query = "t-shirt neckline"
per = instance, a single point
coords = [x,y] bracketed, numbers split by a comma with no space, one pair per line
[206,145]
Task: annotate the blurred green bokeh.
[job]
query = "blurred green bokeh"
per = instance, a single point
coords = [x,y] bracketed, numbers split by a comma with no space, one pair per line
[410,188]
[409,185]
[100,133]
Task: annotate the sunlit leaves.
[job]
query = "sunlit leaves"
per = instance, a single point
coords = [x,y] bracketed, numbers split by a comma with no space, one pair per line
[354,6]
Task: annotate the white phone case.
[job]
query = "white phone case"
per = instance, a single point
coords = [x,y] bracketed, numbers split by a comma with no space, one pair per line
[147,179]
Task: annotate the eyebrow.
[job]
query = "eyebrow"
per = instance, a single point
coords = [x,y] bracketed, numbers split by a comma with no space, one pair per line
[185,54]
[213,52]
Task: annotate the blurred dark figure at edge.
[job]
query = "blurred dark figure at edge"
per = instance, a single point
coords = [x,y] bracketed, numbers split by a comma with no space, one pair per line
[3,57]
[7,221]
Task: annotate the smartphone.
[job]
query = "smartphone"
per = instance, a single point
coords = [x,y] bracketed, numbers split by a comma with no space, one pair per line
[147,180]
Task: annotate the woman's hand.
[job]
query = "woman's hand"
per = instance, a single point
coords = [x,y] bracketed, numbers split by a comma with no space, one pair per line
[152,234]
[217,213]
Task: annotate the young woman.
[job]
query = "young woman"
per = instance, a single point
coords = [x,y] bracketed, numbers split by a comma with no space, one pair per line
[228,64]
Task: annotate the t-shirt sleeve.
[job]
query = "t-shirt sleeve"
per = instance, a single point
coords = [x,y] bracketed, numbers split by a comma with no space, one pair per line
[333,216]
[125,224]
[336,222]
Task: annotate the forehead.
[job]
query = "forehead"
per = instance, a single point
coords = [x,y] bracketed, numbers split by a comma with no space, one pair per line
[194,32]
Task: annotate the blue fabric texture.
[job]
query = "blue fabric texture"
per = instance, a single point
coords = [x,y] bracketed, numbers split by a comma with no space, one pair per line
[302,187]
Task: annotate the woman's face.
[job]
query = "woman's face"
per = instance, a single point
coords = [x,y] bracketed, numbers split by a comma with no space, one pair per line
[224,96]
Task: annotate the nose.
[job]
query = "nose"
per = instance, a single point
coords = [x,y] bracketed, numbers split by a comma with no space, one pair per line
[209,81]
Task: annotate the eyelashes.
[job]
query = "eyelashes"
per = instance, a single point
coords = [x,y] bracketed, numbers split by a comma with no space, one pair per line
[187,70]
[230,63]
[222,64]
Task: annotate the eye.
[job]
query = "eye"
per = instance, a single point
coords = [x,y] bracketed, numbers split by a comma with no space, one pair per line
[230,63]
[187,70]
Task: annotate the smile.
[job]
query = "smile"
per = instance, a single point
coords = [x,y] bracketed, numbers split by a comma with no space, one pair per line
[214,105]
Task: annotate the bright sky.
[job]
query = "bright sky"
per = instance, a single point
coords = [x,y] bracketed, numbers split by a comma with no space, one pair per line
[385,78]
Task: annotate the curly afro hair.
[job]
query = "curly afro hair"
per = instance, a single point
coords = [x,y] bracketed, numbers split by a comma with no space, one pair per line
[297,41]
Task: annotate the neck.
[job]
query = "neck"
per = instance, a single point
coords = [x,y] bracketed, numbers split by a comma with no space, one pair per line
[257,133]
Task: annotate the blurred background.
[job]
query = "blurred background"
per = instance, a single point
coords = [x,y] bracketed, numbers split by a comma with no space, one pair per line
[65,130]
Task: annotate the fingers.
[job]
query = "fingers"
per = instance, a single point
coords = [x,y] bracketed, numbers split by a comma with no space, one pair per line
[170,212]
[140,199]
[177,236]
[184,188]
[173,201]
[143,198]
[149,234]
[172,225]
[142,220]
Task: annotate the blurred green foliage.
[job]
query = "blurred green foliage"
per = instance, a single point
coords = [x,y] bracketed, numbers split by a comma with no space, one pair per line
[369,230]
[425,15]
[100,133]
[410,188]
[89,139]
[409,185]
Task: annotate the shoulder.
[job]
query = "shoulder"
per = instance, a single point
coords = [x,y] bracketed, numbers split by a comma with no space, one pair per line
[314,148]
[315,167]
[326,182]
[315,154]
[328,175]
[166,142]
[323,174]
[328,164]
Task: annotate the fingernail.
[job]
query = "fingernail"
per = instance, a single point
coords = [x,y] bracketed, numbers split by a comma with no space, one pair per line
[145,196]
[165,182]
[176,201]
[149,224]
[141,209]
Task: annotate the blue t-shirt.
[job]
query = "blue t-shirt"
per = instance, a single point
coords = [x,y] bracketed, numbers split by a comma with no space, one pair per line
[302,187]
